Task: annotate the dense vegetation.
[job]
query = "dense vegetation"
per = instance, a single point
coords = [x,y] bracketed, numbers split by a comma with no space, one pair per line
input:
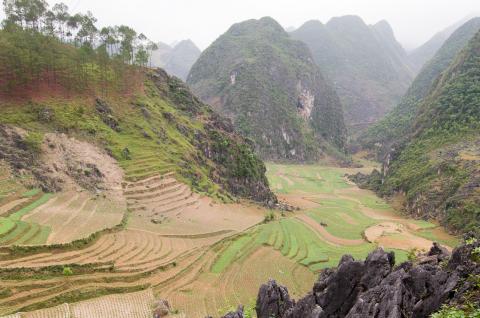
[398,123]
[53,84]
[42,49]
[369,67]
[437,166]
[271,88]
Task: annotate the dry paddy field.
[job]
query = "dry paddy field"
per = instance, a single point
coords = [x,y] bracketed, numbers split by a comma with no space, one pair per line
[203,256]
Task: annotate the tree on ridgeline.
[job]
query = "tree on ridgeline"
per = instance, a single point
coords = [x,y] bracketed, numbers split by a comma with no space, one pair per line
[39,46]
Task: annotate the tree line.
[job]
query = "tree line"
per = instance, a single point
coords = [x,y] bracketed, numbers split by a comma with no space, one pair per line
[42,43]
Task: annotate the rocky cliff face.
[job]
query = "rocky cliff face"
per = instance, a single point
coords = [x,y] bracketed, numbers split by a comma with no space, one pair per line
[368,66]
[270,87]
[378,289]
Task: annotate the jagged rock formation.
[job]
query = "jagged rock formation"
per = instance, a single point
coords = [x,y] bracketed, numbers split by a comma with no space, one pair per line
[271,88]
[176,60]
[398,123]
[376,288]
[368,66]
[437,164]
[235,314]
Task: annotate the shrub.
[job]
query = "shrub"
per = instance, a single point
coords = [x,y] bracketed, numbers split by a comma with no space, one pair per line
[67,271]
[269,216]
[33,141]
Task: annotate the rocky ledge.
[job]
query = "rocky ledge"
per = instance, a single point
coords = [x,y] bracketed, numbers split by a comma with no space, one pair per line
[377,288]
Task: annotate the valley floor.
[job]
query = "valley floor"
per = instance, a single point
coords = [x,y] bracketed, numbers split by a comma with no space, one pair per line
[205,257]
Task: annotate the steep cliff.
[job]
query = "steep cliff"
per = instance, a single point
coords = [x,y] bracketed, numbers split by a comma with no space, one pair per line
[271,88]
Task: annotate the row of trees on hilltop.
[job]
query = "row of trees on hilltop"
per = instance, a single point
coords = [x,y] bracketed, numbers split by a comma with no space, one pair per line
[40,44]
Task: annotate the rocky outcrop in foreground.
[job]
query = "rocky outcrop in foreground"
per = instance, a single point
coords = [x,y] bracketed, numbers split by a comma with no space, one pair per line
[377,288]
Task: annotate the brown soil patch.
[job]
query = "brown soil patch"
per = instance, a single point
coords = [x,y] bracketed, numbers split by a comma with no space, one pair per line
[298,200]
[74,215]
[404,241]
[395,235]
[325,234]
[373,233]
[64,155]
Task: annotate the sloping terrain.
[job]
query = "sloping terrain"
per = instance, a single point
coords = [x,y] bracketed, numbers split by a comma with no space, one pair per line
[398,123]
[273,91]
[207,257]
[436,167]
[368,66]
[424,53]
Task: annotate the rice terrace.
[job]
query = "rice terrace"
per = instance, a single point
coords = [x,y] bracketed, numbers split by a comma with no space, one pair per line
[203,256]
[248,159]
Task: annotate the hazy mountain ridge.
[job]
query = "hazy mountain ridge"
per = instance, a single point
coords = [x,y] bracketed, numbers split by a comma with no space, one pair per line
[422,54]
[176,60]
[271,88]
[368,66]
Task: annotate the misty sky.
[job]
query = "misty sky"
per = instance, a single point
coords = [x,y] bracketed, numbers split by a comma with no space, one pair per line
[414,21]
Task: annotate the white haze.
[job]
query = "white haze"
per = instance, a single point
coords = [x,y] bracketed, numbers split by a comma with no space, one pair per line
[414,21]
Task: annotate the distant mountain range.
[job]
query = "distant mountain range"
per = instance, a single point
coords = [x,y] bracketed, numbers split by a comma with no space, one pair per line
[369,68]
[421,55]
[270,86]
[176,60]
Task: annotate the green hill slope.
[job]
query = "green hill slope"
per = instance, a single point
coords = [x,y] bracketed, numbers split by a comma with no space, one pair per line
[368,66]
[150,122]
[398,123]
[271,88]
[437,166]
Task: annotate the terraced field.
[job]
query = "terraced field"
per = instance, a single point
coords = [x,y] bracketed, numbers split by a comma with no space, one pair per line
[15,202]
[206,257]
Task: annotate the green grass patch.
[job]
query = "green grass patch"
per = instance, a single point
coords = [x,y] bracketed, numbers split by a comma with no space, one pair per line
[19,214]
[31,193]
[228,255]
[6,225]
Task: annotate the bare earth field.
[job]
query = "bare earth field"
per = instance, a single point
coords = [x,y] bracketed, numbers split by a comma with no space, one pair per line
[204,257]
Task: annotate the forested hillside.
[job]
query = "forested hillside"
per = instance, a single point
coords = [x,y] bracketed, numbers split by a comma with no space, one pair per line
[398,123]
[60,73]
[368,66]
[437,166]
[271,88]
